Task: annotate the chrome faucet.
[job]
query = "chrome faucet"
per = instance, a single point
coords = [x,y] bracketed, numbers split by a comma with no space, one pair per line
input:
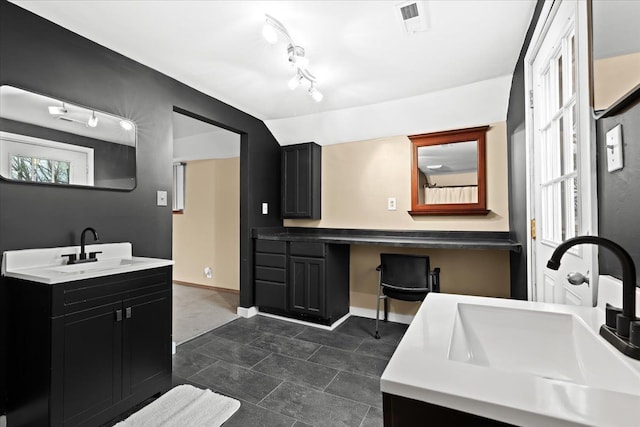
[621,327]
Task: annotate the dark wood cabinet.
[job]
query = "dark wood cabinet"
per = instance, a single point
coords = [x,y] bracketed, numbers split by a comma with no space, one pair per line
[307,285]
[303,280]
[301,176]
[93,349]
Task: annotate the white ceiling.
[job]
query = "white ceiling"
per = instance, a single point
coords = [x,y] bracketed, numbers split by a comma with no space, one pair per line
[357,49]
[197,140]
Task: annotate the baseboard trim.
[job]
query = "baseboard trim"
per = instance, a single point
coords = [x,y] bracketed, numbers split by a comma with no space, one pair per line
[247,312]
[371,314]
[213,288]
[310,324]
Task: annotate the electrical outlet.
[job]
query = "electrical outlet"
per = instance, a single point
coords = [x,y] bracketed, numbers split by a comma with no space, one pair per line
[391,204]
[208,272]
[265,208]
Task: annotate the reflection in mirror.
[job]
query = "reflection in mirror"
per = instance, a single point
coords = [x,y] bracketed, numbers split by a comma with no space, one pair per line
[448,173]
[46,140]
[616,50]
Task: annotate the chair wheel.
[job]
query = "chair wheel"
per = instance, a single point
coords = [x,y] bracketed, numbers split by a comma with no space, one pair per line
[377,336]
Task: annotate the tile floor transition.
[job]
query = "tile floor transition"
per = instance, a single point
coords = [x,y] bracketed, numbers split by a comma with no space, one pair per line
[198,310]
[287,374]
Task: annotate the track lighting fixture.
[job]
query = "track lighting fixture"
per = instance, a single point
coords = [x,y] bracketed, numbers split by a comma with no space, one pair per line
[56,111]
[93,120]
[296,55]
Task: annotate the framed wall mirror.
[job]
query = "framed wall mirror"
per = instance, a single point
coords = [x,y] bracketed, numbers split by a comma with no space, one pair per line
[615,35]
[448,172]
[44,140]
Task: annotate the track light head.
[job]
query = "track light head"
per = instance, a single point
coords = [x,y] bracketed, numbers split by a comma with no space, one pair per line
[315,93]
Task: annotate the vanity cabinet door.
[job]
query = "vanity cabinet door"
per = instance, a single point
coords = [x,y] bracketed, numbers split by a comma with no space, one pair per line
[91,362]
[307,285]
[146,340]
[301,164]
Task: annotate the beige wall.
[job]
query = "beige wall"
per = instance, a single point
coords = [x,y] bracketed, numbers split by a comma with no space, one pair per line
[614,77]
[469,272]
[357,179]
[470,178]
[207,234]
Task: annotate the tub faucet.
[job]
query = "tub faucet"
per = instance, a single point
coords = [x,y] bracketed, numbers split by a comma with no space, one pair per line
[621,328]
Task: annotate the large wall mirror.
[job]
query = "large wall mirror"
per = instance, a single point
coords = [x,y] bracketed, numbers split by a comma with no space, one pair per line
[44,140]
[616,50]
[448,173]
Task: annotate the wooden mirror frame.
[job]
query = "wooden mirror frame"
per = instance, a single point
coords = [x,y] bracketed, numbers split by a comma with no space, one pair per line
[447,137]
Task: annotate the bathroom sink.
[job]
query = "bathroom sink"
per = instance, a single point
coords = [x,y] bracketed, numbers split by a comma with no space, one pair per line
[519,362]
[48,266]
[557,346]
[99,265]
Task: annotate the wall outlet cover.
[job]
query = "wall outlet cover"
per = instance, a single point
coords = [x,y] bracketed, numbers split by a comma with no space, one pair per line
[391,204]
[208,272]
[265,208]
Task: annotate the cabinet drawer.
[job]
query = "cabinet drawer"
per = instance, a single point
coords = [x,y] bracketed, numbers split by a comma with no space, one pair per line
[307,249]
[270,294]
[271,246]
[271,274]
[270,260]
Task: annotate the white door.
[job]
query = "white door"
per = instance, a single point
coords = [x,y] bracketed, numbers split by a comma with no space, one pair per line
[562,172]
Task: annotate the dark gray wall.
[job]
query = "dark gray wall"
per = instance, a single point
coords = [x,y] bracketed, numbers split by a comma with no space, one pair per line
[516,151]
[40,56]
[619,192]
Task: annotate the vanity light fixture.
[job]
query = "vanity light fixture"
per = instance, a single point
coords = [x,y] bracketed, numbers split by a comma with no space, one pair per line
[93,120]
[296,55]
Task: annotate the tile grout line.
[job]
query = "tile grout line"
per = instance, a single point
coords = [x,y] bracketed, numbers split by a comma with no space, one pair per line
[269,394]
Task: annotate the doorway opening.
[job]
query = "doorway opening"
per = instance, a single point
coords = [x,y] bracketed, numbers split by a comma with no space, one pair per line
[206,226]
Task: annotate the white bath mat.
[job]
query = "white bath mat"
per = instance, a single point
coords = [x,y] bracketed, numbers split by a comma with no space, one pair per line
[184,406]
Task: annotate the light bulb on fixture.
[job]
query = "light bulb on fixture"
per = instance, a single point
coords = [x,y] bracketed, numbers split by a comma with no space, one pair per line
[295,81]
[269,33]
[315,93]
[93,120]
[56,111]
[126,125]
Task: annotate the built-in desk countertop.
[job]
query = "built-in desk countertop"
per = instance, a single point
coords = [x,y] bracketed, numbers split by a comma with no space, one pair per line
[496,240]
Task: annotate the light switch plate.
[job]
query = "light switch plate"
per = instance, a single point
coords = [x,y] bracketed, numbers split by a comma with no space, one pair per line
[265,208]
[161,198]
[614,149]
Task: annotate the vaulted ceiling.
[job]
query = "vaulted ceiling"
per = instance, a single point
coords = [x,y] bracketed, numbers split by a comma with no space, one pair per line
[358,50]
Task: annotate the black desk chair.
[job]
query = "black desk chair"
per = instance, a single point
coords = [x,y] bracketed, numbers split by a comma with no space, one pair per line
[404,277]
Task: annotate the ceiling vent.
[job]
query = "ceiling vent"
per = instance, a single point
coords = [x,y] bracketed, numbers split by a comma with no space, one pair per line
[412,16]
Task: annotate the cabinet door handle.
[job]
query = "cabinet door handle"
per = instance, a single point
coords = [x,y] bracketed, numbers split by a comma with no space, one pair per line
[118,315]
[127,312]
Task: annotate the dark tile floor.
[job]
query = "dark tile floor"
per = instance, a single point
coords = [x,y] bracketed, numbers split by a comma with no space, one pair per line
[286,374]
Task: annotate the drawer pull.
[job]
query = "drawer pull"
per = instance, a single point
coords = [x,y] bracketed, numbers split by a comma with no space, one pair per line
[118,315]
[127,312]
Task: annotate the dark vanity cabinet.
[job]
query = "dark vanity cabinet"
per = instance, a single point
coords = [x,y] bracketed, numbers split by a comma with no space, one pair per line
[83,352]
[301,164]
[304,280]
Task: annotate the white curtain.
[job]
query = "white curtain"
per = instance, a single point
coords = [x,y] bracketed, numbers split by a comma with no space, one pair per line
[448,195]
[178,186]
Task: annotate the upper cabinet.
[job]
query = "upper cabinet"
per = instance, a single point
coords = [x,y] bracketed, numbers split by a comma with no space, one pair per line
[301,164]
[448,173]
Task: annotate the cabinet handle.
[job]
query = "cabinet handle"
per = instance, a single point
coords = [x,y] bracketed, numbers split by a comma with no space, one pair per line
[118,315]
[127,312]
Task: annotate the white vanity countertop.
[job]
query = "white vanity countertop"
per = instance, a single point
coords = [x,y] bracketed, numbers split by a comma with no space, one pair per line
[49,266]
[429,366]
